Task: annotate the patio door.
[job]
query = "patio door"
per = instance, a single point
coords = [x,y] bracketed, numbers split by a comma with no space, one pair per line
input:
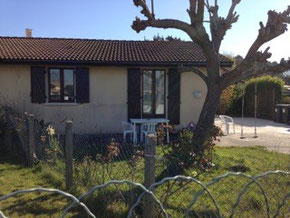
[153,93]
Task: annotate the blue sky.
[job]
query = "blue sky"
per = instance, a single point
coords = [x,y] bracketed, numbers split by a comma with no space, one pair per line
[111,19]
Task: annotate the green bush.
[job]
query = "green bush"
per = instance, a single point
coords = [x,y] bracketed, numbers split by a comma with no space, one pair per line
[181,155]
[234,104]
[266,82]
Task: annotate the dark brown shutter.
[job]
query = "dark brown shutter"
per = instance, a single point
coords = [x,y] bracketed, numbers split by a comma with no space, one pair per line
[134,93]
[173,96]
[38,84]
[82,85]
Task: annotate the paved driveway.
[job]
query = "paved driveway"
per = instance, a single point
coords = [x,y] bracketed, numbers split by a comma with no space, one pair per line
[273,136]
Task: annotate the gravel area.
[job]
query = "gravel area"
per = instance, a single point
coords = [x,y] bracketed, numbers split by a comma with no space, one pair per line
[271,135]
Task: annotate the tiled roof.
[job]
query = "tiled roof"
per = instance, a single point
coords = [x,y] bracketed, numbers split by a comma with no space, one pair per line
[110,52]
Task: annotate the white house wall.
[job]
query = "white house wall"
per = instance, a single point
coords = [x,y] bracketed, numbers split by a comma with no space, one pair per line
[108,99]
[191,105]
[104,113]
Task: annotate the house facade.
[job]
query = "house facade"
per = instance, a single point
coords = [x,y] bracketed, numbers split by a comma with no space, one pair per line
[100,83]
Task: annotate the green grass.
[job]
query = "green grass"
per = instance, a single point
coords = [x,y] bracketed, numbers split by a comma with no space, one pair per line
[110,203]
[14,175]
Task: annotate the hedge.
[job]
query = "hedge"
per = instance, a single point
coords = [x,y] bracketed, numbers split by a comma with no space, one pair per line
[266,86]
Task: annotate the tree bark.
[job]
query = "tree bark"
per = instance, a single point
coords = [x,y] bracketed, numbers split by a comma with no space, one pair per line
[207,116]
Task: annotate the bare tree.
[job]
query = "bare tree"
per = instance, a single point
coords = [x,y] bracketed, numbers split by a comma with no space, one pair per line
[255,63]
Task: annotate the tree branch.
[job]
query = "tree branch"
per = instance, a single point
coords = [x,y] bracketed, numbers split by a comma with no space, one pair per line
[196,31]
[276,26]
[145,9]
[181,68]
[219,25]
[256,62]
[140,25]
[192,9]
[249,70]
[200,13]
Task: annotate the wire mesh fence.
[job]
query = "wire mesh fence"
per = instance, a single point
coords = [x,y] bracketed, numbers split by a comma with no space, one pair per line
[252,200]
[110,173]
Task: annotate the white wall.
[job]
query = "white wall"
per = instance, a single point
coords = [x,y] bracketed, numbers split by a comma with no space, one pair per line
[108,99]
[191,106]
[104,113]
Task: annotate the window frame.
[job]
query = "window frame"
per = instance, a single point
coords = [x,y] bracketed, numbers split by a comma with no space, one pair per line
[153,87]
[61,70]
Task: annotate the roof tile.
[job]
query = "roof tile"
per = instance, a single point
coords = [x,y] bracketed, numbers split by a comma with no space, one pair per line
[100,51]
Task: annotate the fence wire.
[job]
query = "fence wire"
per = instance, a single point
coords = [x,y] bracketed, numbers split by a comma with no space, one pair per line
[281,209]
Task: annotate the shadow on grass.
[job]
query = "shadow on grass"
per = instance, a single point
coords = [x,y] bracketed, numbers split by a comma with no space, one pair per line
[33,206]
[239,168]
[8,158]
[107,204]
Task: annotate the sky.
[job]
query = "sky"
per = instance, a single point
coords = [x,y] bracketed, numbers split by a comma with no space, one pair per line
[112,19]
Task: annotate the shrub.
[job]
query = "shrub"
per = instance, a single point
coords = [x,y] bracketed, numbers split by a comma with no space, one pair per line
[234,103]
[269,93]
[225,98]
[233,95]
[266,82]
[180,155]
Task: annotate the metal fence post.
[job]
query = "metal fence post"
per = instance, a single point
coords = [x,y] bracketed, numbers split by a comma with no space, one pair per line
[68,155]
[149,174]
[31,140]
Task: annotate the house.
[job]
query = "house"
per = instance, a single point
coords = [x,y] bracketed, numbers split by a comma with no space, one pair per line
[99,83]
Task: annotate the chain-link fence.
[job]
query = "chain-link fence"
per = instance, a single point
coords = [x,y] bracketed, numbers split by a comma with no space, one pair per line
[110,172]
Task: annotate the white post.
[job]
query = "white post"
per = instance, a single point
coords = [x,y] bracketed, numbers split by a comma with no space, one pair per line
[242,123]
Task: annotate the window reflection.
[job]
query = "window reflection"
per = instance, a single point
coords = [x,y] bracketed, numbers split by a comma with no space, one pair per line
[147,92]
[61,87]
[55,89]
[68,84]
[159,92]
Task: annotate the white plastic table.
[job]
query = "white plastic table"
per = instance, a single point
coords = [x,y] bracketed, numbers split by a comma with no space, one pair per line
[150,120]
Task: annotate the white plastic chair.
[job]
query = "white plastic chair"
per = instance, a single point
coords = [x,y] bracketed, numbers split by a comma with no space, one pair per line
[127,129]
[228,121]
[147,128]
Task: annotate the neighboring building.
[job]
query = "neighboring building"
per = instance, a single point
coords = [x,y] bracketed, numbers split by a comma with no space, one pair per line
[99,83]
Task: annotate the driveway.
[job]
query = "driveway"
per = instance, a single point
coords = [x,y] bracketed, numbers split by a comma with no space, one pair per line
[271,135]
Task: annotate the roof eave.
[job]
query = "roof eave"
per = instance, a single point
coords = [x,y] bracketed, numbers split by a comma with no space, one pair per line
[106,63]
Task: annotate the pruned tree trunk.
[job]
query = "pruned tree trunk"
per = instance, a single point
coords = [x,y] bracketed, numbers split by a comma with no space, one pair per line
[206,119]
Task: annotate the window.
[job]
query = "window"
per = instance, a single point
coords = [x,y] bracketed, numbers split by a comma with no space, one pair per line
[153,93]
[61,85]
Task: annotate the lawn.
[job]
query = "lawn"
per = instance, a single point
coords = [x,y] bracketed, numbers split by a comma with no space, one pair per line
[15,176]
[113,201]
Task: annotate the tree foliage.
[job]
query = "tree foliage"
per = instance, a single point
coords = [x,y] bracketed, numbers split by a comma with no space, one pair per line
[167,38]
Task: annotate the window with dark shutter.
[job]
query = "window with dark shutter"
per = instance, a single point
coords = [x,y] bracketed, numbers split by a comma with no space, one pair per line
[61,85]
[38,84]
[134,93]
[82,85]
[173,96]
